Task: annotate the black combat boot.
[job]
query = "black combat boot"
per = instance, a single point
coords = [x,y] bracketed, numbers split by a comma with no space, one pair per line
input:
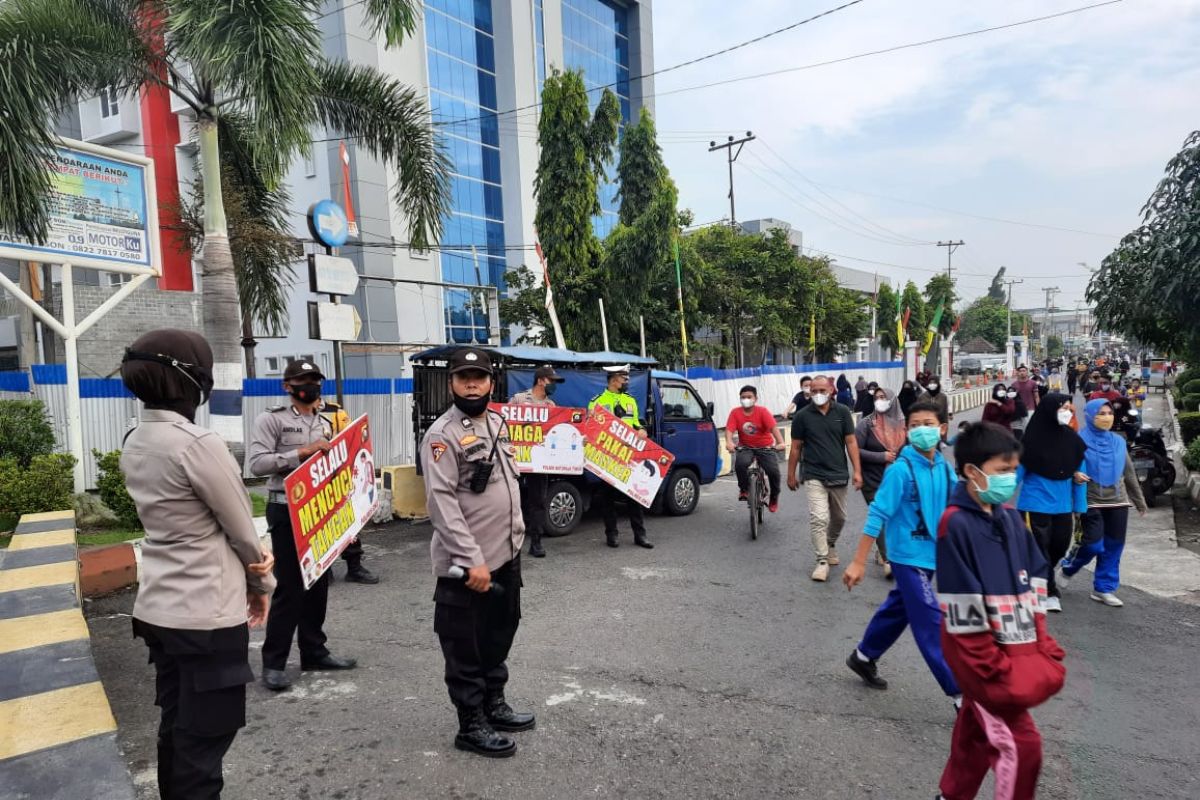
[535,546]
[476,735]
[641,541]
[503,718]
[357,573]
[610,538]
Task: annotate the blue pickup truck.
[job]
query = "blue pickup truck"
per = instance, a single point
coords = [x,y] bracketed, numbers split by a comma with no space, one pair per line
[671,408]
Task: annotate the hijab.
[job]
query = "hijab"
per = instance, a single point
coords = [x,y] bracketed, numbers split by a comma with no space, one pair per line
[864,403]
[1105,450]
[169,369]
[907,396]
[889,427]
[861,385]
[1051,449]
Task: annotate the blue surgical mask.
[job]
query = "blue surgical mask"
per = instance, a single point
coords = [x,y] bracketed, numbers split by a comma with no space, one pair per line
[999,489]
[924,438]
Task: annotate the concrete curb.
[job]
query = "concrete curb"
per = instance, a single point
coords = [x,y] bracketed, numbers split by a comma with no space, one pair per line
[1191,479]
[57,733]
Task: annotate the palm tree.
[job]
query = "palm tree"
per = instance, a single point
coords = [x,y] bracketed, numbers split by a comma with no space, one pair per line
[254,77]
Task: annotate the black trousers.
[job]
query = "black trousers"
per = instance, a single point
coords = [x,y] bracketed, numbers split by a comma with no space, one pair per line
[353,553]
[533,503]
[476,630]
[292,608]
[1053,533]
[767,460]
[200,685]
[609,497]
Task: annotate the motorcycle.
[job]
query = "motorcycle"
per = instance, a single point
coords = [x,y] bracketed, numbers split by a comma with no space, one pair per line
[1148,451]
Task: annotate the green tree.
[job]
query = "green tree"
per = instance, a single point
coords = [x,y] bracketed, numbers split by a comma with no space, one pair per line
[1054,347]
[940,289]
[885,319]
[1146,288]
[256,64]
[987,319]
[575,146]
[524,306]
[842,315]
[638,259]
[912,300]
[996,290]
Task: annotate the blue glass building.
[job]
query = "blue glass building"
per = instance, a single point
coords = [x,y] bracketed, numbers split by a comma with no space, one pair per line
[461,53]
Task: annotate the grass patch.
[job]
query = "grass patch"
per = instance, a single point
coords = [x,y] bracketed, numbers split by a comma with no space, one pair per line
[259,503]
[97,538]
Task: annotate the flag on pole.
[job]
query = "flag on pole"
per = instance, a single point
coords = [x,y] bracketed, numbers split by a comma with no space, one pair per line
[931,333]
[559,341]
[812,331]
[679,296]
[899,325]
[344,154]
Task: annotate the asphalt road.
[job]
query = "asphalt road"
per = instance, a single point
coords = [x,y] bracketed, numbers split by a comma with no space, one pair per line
[710,667]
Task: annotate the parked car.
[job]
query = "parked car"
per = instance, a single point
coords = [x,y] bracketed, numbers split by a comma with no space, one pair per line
[672,410]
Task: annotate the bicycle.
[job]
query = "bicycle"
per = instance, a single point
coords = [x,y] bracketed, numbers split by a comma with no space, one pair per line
[759,493]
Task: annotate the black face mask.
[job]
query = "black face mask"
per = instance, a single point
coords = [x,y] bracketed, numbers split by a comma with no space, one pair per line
[305,392]
[551,388]
[472,407]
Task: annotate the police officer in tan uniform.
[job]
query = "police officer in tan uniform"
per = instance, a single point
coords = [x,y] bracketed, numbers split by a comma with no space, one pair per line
[283,438]
[533,486]
[474,504]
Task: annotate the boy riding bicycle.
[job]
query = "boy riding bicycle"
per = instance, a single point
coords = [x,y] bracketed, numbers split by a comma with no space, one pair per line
[758,437]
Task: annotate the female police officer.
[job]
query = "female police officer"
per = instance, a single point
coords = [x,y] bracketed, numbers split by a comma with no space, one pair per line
[204,573]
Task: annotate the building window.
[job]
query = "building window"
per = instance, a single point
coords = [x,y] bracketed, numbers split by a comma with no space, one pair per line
[108,103]
[310,165]
[273,365]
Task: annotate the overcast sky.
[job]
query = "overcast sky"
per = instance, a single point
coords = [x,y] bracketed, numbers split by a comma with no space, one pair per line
[1065,123]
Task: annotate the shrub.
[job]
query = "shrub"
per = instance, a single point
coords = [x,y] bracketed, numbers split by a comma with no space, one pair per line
[25,431]
[1189,427]
[1192,387]
[1191,456]
[1191,402]
[111,483]
[45,485]
[1187,376]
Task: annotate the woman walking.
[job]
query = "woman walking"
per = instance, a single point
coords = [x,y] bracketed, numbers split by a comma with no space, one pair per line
[205,577]
[907,396]
[881,436]
[1001,408]
[844,395]
[1112,488]
[1052,479]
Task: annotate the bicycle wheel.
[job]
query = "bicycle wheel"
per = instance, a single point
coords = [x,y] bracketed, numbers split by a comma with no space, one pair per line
[754,502]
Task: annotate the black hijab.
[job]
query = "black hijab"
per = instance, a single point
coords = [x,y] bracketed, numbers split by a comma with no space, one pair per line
[865,402]
[169,369]
[1051,449]
[907,396]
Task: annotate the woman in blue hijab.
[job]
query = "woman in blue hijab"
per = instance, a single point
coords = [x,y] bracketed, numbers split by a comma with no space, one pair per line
[1112,488]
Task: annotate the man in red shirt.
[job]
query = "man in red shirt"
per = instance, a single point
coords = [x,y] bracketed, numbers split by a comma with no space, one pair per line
[758,436]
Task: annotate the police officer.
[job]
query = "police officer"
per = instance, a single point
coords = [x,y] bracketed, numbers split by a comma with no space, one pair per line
[616,399]
[204,572]
[474,504]
[284,437]
[533,486]
[353,554]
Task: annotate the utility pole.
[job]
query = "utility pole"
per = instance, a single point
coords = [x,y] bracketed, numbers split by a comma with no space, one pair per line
[1050,292]
[1009,284]
[950,246]
[732,156]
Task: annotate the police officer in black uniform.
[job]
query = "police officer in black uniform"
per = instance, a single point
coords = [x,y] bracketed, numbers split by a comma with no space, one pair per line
[283,438]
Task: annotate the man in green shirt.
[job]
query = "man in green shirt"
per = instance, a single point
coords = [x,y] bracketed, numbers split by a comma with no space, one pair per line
[823,432]
[623,406]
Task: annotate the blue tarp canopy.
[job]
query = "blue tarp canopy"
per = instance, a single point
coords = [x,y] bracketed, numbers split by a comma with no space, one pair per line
[528,354]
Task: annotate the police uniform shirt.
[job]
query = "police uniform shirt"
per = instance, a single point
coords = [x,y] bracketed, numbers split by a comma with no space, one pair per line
[527,398]
[622,406]
[471,529]
[275,442]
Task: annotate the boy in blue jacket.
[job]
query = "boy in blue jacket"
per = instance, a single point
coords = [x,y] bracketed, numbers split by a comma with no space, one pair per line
[991,580]
[909,502]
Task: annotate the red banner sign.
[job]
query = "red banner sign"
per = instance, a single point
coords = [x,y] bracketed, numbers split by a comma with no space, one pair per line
[617,455]
[546,439]
[331,497]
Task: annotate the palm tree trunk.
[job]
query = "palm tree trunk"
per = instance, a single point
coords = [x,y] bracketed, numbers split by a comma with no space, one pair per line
[222,314]
[249,343]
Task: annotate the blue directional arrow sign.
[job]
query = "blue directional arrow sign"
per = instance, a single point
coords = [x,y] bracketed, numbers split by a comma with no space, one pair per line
[328,223]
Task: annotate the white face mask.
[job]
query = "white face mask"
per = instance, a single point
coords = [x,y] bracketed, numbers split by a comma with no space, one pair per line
[820,398]
[933,387]
[747,402]
[1012,394]
[1065,416]
[882,406]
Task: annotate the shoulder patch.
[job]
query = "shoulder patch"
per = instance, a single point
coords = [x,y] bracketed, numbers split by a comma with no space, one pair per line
[273,409]
[438,449]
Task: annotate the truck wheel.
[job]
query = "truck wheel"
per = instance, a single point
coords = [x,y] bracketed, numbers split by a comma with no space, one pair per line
[682,493]
[564,508]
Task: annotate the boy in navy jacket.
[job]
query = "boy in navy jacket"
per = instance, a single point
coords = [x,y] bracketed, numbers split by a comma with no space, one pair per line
[991,580]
